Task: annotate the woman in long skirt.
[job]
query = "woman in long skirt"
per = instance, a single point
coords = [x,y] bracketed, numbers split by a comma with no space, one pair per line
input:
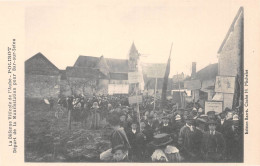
[95,118]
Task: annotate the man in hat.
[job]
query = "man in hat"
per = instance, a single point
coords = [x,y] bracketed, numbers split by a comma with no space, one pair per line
[236,141]
[213,144]
[188,141]
[177,125]
[123,122]
[221,122]
[166,126]
[211,115]
[142,138]
[132,137]
[152,125]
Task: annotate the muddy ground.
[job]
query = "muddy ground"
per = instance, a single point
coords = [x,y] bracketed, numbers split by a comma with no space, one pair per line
[48,139]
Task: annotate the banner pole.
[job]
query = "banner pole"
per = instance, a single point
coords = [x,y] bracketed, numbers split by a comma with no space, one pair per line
[137,105]
[155,91]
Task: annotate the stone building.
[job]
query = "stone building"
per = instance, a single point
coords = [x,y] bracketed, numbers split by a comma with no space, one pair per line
[230,59]
[110,71]
[42,78]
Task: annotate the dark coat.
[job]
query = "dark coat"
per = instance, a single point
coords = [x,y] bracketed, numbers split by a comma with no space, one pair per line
[220,127]
[166,129]
[213,146]
[154,125]
[132,137]
[188,143]
[119,137]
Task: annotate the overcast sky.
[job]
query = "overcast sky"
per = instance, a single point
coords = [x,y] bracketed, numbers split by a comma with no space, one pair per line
[63,31]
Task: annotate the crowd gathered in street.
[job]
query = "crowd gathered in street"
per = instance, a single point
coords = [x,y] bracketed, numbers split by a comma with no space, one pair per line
[159,134]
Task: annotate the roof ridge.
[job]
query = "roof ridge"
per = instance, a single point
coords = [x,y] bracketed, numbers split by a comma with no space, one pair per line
[44,57]
[231,28]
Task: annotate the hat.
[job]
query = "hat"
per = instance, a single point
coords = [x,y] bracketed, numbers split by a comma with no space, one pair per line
[190,117]
[158,154]
[200,110]
[177,117]
[211,121]
[227,109]
[95,105]
[194,109]
[201,119]
[211,113]
[235,117]
[204,116]
[161,140]
[222,113]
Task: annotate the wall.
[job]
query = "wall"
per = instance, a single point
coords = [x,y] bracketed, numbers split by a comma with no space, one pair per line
[230,55]
[41,86]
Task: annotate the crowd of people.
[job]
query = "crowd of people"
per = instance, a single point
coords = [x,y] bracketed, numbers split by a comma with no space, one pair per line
[171,134]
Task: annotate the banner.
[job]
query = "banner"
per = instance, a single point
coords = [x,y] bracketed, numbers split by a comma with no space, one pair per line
[118,89]
[225,84]
[216,106]
[135,99]
[192,85]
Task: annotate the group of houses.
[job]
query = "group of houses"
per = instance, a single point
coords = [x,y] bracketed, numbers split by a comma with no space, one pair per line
[101,76]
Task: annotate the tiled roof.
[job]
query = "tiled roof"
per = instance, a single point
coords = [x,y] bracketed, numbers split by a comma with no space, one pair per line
[39,64]
[81,72]
[87,61]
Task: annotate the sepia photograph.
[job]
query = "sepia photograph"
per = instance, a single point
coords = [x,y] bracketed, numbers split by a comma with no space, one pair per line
[134,82]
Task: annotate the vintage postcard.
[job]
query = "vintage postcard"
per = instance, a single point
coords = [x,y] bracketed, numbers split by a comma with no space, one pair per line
[129,82]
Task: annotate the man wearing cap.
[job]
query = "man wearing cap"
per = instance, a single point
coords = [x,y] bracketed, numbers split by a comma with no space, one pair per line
[187,141]
[213,144]
[221,122]
[166,126]
[177,125]
[211,115]
[151,126]
[132,137]
[236,141]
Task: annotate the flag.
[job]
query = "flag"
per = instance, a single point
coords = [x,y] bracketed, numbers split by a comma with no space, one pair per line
[165,81]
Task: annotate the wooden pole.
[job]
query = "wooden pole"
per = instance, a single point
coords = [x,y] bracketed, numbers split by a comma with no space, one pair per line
[155,92]
[179,90]
[69,116]
[69,119]
[137,106]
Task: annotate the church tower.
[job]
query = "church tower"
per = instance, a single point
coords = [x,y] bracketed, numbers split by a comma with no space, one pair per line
[133,59]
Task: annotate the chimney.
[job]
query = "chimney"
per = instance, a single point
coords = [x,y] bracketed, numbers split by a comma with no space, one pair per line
[193,70]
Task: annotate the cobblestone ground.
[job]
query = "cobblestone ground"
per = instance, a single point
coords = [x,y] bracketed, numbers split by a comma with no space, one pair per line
[48,139]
